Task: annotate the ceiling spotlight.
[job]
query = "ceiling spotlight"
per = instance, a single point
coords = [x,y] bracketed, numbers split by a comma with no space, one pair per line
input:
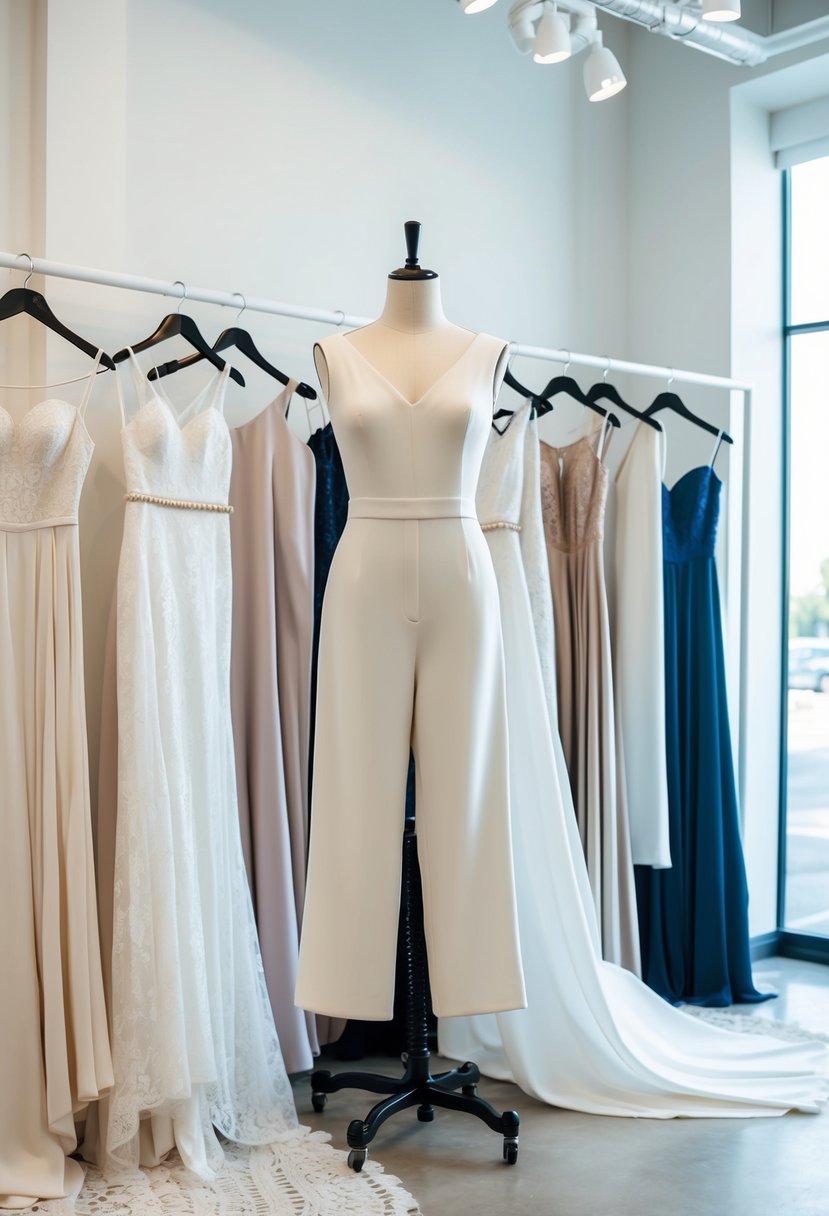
[552,38]
[476,6]
[721,10]
[602,75]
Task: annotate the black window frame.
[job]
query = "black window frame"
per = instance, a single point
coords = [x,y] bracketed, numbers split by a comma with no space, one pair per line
[813,947]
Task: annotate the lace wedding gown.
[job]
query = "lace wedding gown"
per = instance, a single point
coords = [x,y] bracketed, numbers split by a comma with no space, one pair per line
[193,1038]
[592,1038]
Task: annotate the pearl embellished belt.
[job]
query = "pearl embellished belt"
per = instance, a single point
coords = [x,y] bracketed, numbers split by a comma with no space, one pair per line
[156,500]
[501,523]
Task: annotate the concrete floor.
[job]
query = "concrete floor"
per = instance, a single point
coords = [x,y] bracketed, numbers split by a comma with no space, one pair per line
[585,1165]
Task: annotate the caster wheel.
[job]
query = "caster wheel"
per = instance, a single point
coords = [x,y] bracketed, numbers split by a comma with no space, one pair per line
[470,1091]
[318,1102]
[510,1149]
[357,1159]
[425,1113]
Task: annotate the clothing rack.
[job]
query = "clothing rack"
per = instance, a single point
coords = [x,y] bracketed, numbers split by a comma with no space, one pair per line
[735,576]
[338,318]
[417,1086]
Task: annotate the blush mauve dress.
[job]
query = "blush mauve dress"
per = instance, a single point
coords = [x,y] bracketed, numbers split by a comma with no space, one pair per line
[272,547]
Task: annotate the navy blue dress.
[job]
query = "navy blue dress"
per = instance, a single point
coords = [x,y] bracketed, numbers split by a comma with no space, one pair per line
[330,515]
[693,917]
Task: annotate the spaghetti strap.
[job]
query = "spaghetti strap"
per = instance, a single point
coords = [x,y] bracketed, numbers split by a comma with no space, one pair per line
[605,436]
[288,395]
[87,393]
[138,381]
[717,445]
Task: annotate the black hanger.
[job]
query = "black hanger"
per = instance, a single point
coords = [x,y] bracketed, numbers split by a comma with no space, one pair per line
[537,405]
[25,300]
[670,401]
[173,325]
[244,343]
[566,384]
[608,392]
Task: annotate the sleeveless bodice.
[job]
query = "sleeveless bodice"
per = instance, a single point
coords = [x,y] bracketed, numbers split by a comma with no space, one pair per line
[43,462]
[182,456]
[501,481]
[430,448]
[690,514]
[573,493]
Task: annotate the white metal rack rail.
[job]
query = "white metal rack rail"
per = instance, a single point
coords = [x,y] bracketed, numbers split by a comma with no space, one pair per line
[738,418]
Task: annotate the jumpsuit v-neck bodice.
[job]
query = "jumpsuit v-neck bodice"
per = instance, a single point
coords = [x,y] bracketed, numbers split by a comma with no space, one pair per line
[411,656]
[428,449]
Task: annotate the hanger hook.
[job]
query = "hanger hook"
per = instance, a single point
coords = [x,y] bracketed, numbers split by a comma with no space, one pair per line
[183,292]
[31,266]
[242,309]
[569,361]
[340,318]
[606,371]
[672,376]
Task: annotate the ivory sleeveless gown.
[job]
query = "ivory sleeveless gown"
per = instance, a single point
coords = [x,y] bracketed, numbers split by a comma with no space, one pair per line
[193,1037]
[54,1042]
[639,644]
[574,494]
[593,1037]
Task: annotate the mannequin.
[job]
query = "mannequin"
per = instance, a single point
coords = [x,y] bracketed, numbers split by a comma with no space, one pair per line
[412,343]
[411,656]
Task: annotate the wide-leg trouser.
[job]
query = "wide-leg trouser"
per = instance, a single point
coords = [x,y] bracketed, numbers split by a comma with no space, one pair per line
[410,655]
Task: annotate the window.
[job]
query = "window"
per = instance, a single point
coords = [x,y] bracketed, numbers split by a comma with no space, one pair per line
[804,887]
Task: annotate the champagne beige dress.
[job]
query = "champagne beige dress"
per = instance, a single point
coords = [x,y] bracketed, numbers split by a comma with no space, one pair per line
[574,483]
[54,1047]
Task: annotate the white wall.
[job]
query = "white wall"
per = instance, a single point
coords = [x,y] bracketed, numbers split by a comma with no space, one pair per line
[276,149]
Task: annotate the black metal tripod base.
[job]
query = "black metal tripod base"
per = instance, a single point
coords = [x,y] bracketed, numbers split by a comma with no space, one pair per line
[417,1087]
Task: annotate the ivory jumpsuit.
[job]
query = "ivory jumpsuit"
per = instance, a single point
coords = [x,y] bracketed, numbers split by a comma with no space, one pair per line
[411,654]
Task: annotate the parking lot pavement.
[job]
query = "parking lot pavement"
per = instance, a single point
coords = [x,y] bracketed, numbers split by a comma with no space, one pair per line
[807,819]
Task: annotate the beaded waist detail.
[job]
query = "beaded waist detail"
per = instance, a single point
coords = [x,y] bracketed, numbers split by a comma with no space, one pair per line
[501,523]
[181,504]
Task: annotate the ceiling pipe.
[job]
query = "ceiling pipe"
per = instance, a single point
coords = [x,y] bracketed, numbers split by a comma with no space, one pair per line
[730,42]
[682,22]
[686,25]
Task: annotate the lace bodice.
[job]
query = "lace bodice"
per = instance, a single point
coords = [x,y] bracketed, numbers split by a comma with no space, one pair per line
[181,456]
[43,462]
[574,492]
[690,513]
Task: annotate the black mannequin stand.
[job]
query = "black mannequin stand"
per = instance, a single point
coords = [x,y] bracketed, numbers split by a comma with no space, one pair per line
[417,1087]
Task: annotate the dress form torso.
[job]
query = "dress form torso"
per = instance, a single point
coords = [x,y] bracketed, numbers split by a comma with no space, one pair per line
[412,344]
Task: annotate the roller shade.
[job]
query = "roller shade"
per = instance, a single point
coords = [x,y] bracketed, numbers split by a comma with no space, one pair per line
[800,133]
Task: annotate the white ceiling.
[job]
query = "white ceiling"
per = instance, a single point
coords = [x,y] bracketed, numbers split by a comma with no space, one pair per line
[772,16]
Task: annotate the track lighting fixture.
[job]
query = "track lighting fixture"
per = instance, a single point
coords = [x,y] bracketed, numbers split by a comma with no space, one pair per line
[603,77]
[552,38]
[555,30]
[721,10]
[476,6]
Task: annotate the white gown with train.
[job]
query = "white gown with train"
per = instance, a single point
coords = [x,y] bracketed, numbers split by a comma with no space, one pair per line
[593,1037]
